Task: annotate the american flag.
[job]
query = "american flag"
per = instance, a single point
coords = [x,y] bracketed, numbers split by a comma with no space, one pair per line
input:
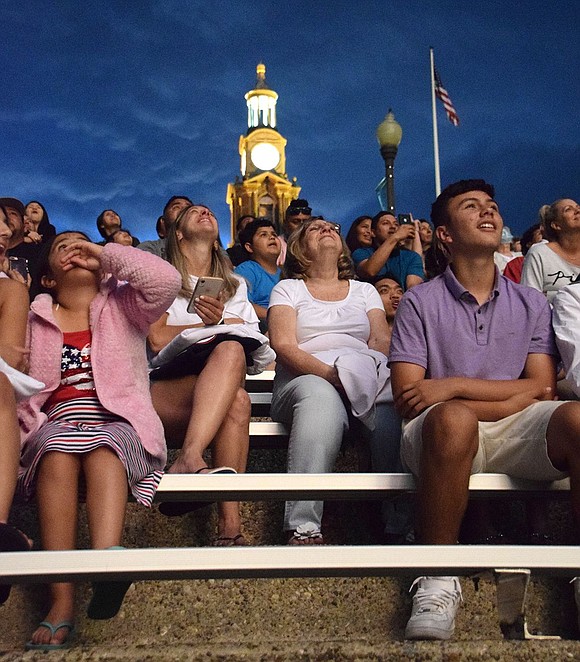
[441,93]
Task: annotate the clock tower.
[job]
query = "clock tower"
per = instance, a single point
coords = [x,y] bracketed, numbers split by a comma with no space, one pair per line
[263,189]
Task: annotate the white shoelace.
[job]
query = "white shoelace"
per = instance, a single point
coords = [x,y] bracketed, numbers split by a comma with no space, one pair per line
[435,598]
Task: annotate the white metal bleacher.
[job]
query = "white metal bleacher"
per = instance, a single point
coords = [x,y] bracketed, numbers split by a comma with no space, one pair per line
[307,561]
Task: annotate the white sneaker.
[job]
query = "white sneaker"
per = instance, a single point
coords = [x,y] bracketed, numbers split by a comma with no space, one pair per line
[434,607]
[576,584]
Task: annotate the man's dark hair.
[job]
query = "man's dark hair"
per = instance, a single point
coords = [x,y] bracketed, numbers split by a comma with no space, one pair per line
[298,206]
[175,197]
[439,215]
[247,234]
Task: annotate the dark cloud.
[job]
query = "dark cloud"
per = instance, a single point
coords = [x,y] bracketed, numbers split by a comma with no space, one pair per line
[116,104]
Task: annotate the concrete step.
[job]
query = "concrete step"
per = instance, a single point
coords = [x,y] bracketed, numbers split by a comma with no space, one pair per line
[279,619]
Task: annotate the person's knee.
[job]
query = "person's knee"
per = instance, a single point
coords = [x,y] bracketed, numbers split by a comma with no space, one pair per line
[450,432]
[241,408]
[563,434]
[231,353]
[311,390]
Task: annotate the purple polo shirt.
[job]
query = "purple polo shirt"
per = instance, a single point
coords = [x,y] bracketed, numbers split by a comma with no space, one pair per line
[440,326]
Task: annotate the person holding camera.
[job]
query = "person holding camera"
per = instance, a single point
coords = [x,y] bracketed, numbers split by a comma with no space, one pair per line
[388,255]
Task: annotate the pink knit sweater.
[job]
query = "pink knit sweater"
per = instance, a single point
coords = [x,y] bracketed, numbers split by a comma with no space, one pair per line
[120,316]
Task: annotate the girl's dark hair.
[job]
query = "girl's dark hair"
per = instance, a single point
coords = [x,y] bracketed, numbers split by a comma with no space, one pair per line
[42,264]
[436,259]
[351,240]
[527,239]
[100,225]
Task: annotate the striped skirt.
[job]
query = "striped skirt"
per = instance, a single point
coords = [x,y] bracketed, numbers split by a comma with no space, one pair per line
[81,426]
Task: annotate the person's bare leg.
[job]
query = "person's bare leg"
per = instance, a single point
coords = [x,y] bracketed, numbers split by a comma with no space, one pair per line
[563,443]
[9,446]
[200,411]
[57,499]
[231,449]
[450,442]
[106,480]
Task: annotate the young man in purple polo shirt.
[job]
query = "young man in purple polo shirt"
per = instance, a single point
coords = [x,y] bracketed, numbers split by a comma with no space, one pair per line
[473,373]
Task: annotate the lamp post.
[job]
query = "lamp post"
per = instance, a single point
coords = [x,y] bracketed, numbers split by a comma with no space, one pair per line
[389,134]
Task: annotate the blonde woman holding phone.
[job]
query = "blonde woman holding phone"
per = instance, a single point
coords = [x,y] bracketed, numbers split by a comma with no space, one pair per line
[205,404]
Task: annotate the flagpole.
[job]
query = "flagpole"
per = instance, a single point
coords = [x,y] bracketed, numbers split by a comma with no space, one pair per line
[435,134]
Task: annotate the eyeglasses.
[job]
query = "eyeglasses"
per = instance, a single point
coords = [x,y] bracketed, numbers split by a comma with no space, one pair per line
[317,226]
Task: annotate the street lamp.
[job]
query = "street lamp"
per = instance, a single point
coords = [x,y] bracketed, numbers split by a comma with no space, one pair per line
[389,134]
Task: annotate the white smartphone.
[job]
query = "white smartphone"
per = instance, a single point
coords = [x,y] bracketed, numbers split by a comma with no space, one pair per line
[205,286]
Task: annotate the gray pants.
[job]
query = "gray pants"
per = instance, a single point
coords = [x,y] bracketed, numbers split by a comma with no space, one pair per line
[317,417]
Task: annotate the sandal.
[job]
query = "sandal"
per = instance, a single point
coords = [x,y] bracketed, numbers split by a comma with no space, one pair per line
[178,508]
[305,534]
[11,540]
[225,541]
[30,646]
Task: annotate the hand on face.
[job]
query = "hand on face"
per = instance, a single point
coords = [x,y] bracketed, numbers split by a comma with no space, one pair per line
[83,254]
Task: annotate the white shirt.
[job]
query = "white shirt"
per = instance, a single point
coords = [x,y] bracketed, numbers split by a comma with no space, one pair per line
[546,271]
[328,326]
[237,306]
[566,323]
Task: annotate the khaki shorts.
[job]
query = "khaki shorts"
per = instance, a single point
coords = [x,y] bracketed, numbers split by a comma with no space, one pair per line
[515,445]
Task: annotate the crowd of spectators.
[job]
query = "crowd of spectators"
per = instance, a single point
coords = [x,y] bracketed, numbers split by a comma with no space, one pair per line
[403,335]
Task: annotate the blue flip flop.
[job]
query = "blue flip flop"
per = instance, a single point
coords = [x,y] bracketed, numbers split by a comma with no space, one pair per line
[107,598]
[30,646]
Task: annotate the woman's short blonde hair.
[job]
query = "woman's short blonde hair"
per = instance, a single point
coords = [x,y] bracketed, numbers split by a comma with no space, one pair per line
[548,214]
[297,264]
[220,264]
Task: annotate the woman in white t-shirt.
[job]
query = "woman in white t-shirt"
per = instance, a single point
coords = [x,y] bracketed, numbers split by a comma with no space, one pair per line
[318,316]
[210,408]
[549,267]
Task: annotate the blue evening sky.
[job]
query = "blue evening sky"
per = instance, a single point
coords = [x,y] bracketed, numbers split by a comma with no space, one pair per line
[121,104]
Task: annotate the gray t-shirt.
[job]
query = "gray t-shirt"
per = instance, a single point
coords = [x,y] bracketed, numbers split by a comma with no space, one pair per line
[156,247]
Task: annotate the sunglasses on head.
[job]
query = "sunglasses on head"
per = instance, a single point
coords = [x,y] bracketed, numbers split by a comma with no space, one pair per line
[299,210]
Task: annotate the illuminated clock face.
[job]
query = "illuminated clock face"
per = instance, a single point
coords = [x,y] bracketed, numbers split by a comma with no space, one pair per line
[265,156]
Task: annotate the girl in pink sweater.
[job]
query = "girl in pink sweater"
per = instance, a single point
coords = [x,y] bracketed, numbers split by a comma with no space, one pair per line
[94,420]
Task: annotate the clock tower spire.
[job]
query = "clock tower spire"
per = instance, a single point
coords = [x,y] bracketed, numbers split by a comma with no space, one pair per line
[264,188]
